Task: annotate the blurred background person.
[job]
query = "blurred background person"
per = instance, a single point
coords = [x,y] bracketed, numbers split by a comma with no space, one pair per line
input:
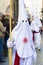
[5,22]
[36,26]
[2,30]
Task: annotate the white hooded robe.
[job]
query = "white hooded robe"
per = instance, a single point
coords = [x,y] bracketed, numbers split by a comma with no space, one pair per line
[21,40]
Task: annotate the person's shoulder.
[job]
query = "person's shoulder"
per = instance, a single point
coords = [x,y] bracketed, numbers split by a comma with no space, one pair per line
[1,23]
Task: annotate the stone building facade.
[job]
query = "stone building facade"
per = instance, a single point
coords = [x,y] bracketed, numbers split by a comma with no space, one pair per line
[5,7]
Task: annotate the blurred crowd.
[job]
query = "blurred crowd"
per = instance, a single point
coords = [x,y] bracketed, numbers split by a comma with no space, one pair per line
[4,35]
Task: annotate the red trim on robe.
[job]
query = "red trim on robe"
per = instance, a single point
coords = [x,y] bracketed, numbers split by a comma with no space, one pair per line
[34,33]
[17,60]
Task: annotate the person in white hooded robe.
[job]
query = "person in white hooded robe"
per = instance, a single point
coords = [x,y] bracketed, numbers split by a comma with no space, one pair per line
[21,41]
[36,27]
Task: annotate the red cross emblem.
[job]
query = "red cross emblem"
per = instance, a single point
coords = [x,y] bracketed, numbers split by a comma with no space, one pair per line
[25,40]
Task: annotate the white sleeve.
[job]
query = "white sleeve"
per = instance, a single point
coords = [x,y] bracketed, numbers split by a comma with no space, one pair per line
[11,42]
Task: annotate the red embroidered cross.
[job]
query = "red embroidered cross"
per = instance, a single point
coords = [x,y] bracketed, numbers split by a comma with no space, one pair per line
[25,40]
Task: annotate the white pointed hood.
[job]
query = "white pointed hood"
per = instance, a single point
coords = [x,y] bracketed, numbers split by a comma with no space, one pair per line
[22,12]
[22,34]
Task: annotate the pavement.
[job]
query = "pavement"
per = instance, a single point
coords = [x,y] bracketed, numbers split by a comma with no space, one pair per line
[39,53]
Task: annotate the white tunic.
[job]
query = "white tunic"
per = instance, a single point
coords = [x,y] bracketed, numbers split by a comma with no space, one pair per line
[36,26]
[24,50]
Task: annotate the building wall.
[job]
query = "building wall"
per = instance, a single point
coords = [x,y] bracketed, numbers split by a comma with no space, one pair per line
[15,9]
[34,6]
[3,5]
